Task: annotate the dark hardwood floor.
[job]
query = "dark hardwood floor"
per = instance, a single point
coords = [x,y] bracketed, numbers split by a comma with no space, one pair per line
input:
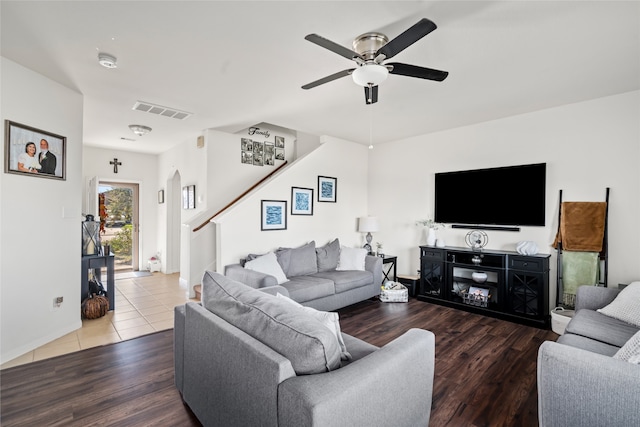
[485,373]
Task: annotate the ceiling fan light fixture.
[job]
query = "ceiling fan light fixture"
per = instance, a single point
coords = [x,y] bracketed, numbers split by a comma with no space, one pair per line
[370,74]
[107,61]
[140,130]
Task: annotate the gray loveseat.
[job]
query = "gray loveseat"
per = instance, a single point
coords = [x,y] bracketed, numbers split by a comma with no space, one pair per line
[247,358]
[580,382]
[314,277]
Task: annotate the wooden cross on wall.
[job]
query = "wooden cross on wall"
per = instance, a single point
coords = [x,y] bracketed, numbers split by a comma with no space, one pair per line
[115,164]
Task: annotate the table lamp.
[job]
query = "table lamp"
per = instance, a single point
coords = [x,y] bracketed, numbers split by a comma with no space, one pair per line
[367,224]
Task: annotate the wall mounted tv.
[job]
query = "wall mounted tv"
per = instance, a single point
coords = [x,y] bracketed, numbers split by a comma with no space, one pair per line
[504,196]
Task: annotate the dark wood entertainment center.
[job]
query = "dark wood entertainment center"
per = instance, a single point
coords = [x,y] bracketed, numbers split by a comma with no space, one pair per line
[518,285]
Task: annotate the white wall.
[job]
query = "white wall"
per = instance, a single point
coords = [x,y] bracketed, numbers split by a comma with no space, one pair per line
[40,221]
[239,230]
[587,146]
[219,177]
[141,169]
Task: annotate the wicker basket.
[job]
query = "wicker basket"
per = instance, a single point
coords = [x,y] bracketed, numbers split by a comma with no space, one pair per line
[394,292]
[95,306]
[475,299]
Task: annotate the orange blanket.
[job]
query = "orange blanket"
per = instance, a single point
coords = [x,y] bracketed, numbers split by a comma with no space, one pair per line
[581,226]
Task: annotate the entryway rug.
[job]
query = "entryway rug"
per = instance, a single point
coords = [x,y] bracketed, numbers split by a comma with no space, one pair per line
[132,274]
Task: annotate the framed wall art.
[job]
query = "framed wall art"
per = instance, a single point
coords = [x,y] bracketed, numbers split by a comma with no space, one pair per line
[34,152]
[189,197]
[273,215]
[301,201]
[327,189]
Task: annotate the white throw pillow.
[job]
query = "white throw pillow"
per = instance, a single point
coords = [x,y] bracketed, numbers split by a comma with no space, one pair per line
[328,319]
[267,264]
[351,258]
[630,351]
[626,306]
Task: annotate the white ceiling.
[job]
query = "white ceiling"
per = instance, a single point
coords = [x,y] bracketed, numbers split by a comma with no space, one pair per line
[236,64]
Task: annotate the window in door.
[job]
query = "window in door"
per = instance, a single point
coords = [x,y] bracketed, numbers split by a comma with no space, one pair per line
[118,204]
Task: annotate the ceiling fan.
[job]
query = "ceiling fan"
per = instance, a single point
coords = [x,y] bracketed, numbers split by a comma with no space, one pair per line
[370,50]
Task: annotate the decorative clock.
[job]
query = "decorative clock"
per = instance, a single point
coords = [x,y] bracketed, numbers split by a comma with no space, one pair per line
[476,239]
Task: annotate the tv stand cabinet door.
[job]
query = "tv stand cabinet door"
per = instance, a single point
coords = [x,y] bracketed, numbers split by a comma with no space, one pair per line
[432,272]
[528,282]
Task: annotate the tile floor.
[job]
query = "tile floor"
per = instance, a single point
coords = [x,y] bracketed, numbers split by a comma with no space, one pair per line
[143,305]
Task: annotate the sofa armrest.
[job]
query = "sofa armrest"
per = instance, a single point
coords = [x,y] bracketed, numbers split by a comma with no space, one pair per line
[255,279]
[374,265]
[579,386]
[230,378]
[594,297]
[400,374]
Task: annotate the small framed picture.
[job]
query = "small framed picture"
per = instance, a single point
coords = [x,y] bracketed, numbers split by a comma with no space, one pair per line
[301,201]
[189,197]
[327,189]
[161,197]
[34,152]
[273,215]
[191,193]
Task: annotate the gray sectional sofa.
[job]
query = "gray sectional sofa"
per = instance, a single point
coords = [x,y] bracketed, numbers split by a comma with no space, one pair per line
[313,275]
[247,358]
[583,377]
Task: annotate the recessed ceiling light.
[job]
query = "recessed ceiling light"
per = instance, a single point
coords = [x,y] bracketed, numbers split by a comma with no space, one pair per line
[107,61]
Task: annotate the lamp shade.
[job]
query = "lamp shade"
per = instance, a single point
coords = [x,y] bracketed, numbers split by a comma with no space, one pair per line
[368,224]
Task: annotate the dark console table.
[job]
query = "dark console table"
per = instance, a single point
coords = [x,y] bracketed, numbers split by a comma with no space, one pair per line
[96,263]
[518,285]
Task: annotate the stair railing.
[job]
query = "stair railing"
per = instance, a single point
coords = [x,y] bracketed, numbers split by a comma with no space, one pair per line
[234,201]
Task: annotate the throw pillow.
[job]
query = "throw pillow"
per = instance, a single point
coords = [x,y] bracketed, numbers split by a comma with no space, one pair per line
[267,264]
[304,341]
[630,351]
[328,256]
[351,258]
[327,318]
[626,306]
[283,256]
[303,260]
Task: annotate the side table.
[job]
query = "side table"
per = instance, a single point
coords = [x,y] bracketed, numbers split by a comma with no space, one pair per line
[95,263]
[389,259]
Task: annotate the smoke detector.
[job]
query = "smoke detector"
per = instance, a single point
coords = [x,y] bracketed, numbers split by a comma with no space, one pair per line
[107,61]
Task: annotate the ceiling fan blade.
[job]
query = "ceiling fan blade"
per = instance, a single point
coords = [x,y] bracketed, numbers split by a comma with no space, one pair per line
[419,72]
[333,47]
[328,79]
[371,94]
[406,39]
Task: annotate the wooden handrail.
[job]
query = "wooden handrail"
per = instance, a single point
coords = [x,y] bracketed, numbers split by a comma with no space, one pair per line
[241,196]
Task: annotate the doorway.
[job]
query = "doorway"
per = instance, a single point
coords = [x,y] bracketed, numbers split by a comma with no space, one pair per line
[119,224]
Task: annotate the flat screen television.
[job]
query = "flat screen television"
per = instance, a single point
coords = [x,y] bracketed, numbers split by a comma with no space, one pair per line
[504,196]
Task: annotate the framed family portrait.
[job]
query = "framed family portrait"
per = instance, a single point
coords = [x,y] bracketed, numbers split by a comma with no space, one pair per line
[301,201]
[34,152]
[273,215]
[327,189]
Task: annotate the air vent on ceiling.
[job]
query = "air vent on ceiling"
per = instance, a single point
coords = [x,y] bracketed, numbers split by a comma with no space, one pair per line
[159,110]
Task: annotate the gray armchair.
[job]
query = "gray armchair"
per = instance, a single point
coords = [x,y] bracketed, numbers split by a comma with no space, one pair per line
[579,382]
[228,378]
